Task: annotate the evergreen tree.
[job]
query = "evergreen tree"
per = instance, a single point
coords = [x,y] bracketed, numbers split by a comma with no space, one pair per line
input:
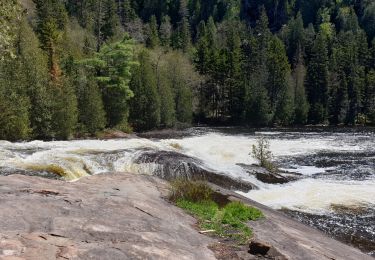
[110,20]
[91,115]
[14,104]
[9,13]
[233,73]
[152,33]
[296,38]
[145,106]
[113,72]
[369,102]
[258,108]
[166,31]
[301,106]
[317,81]
[338,103]
[64,109]
[277,82]
[33,65]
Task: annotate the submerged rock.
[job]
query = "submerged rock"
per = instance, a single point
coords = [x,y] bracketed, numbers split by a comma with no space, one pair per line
[172,165]
[264,175]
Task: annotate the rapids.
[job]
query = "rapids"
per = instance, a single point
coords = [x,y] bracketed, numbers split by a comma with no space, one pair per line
[337,168]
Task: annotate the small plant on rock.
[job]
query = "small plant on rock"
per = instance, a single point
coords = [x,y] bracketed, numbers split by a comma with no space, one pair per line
[229,221]
[261,152]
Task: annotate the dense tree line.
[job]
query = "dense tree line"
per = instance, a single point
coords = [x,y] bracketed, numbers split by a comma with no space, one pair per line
[77,67]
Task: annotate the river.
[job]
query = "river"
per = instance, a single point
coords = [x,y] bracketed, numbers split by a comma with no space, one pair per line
[336,191]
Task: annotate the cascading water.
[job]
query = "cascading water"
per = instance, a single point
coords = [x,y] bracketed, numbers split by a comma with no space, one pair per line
[338,169]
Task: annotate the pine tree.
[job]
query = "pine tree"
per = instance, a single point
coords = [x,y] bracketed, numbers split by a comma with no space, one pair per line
[110,20]
[338,102]
[258,108]
[152,33]
[317,81]
[113,72]
[301,106]
[296,38]
[277,82]
[166,31]
[369,102]
[33,65]
[160,64]
[145,106]
[51,22]
[234,64]
[64,109]
[14,104]
[91,115]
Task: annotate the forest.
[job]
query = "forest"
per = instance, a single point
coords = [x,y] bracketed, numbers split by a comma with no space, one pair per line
[73,68]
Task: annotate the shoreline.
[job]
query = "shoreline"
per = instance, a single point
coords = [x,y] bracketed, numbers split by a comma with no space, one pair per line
[86,217]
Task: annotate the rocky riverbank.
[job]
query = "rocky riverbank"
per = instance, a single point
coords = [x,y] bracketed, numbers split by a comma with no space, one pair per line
[121,216]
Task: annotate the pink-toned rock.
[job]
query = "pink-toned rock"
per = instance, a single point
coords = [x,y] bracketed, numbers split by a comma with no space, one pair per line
[111,216]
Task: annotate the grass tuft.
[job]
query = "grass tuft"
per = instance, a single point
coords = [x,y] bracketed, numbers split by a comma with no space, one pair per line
[190,190]
[227,222]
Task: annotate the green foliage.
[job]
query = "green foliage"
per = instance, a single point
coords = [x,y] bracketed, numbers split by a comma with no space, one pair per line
[196,197]
[91,115]
[113,73]
[145,106]
[228,222]
[64,107]
[153,35]
[193,191]
[9,13]
[259,63]
[261,152]
[317,81]
[277,83]
[301,106]
[14,122]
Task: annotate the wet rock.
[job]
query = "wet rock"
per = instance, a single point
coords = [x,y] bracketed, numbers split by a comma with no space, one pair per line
[114,134]
[173,165]
[166,134]
[109,216]
[292,239]
[264,175]
[260,248]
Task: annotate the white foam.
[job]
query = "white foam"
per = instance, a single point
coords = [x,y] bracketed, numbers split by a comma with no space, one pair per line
[316,195]
[218,152]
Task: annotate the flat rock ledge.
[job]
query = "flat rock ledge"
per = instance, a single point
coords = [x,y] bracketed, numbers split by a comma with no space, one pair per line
[125,216]
[111,216]
[278,236]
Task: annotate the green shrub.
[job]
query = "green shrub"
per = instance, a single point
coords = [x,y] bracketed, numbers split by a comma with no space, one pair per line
[190,190]
[262,153]
[230,221]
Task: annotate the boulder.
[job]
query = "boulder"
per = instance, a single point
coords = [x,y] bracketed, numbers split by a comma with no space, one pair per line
[264,175]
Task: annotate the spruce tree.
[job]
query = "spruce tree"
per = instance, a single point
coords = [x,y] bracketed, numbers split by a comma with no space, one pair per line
[277,82]
[64,109]
[369,102]
[33,65]
[145,106]
[301,106]
[91,116]
[317,81]
[152,33]
[165,31]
